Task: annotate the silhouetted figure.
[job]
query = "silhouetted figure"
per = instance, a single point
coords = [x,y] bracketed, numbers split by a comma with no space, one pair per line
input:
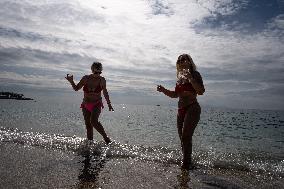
[92,104]
[189,85]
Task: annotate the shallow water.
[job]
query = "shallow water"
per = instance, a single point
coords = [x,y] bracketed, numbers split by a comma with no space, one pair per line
[232,148]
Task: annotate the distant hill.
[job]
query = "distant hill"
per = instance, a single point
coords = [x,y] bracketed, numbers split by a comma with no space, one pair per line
[11,95]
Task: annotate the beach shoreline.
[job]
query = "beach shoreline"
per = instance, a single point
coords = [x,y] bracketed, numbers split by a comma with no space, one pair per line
[25,166]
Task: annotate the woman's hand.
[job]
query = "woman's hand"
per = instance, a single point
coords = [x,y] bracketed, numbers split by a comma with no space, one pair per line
[69,77]
[160,88]
[167,92]
[189,76]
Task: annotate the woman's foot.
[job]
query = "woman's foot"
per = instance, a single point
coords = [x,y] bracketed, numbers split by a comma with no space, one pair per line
[183,178]
[107,140]
[188,167]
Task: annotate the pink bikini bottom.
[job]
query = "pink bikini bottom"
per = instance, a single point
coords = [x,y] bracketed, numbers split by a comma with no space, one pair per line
[90,106]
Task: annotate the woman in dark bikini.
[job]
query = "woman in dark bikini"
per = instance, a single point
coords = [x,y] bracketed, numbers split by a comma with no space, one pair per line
[92,104]
[189,85]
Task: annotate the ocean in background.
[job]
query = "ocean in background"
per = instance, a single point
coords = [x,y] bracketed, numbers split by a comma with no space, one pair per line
[42,145]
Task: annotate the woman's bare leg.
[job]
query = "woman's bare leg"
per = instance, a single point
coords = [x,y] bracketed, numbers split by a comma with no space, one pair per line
[187,145]
[89,128]
[190,122]
[97,125]
[180,120]
[180,126]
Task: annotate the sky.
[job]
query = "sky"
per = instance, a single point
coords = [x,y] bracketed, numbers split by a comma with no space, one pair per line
[237,46]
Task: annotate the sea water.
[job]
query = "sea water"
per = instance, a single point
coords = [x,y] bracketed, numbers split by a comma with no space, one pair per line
[43,145]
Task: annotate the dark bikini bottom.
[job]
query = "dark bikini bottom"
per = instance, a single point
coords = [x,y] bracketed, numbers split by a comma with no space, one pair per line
[182,111]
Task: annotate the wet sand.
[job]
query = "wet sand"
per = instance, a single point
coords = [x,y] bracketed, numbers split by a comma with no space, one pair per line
[24,166]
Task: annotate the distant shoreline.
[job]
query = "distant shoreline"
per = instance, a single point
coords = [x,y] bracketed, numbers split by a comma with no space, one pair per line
[14,96]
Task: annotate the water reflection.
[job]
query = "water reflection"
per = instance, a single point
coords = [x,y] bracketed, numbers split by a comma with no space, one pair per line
[183,180]
[93,162]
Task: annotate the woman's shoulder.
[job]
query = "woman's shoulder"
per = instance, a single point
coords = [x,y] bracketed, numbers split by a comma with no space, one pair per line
[197,77]
[90,76]
[86,76]
[196,74]
[102,78]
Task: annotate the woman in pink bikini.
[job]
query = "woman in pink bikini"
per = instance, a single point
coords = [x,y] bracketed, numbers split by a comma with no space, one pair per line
[92,104]
[189,85]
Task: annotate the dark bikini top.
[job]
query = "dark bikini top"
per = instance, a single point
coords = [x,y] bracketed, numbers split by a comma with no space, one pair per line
[187,86]
[181,87]
[98,89]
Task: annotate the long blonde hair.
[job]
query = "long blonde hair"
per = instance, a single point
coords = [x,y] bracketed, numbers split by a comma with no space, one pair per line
[192,65]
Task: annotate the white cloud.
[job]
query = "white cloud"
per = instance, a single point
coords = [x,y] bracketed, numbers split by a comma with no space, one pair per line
[36,81]
[277,26]
[223,7]
[138,41]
